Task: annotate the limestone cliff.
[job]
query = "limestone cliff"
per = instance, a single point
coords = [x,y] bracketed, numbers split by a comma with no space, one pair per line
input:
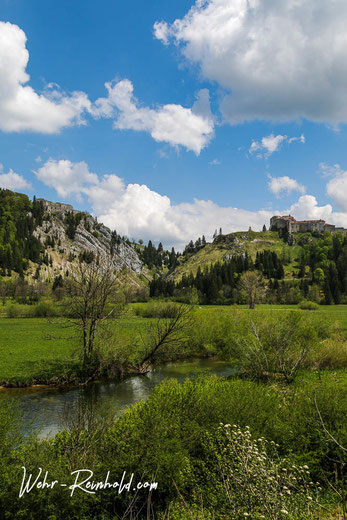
[68,234]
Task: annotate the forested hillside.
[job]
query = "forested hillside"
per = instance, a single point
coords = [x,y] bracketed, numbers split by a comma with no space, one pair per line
[19,217]
[313,267]
[40,240]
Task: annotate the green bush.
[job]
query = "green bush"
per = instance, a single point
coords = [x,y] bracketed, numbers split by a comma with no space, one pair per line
[308,306]
[264,346]
[249,479]
[13,311]
[42,310]
[329,354]
[156,310]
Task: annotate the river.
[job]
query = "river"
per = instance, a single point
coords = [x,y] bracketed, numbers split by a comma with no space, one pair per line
[46,410]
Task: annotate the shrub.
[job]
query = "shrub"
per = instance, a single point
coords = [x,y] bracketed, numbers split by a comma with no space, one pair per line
[308,306]
[329,354]
[157,310]
[13,311]
[249,479]
[266,345]
[42,310]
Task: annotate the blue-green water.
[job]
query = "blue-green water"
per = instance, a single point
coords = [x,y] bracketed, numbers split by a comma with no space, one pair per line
[46,410]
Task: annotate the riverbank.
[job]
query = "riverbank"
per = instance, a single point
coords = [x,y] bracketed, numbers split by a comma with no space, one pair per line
[130,372]
[179,432]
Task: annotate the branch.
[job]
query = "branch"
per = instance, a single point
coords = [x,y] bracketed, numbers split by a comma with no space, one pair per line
[325,429]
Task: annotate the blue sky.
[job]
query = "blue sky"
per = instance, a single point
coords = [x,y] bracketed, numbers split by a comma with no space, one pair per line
[143,154]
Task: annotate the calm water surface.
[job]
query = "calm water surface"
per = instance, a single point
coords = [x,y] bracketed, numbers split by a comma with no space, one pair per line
[46,410]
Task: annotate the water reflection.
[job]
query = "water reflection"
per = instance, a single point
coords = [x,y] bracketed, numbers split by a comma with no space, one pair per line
[46,410]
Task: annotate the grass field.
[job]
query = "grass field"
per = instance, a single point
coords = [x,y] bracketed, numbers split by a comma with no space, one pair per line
[332,313]
[31,348]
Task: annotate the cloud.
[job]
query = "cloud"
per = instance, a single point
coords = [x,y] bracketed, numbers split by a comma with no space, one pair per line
[276,61]
[160,31]
[140,212]
[307,208]
[190,127]
[337,186]
[215,162]
[23,109]
[13,181]
[330,171]
[285,184]
[137,211]
[66,177]
[301,138]
[272,144]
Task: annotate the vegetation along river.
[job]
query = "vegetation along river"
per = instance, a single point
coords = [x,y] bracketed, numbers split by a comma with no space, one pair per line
[46,411]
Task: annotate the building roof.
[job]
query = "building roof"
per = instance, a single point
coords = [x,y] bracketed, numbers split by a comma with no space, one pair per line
[308,221]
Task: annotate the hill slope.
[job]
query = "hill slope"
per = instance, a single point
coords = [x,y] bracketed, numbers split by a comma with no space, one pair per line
[239,243]
[43,239]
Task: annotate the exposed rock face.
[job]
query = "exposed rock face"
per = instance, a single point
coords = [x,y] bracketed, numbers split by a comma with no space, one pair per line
[88,236]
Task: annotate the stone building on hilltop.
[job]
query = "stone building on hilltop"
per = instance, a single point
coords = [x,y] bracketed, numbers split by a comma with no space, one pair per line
[287,222]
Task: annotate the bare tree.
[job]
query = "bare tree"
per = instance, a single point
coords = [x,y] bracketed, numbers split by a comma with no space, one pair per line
[90,288]
[165,332]
[252,283]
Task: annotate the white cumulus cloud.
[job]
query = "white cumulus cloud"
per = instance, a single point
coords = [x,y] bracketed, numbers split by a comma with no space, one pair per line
[21,107]
[66,177]
[137,211]
[174,124]
[285,184]
[337,186]
[24,109]
[307,208]
[276,60]
[13,181]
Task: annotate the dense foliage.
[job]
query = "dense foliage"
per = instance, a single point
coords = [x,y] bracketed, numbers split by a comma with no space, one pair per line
[157,257]
[277,457]
[18,219]
[327,260]
[218,283]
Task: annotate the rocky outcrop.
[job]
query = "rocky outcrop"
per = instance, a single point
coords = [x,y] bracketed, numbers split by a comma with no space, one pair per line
[67,233]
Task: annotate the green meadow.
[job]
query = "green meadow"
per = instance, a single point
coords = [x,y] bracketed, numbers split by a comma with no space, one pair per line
[37,349]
